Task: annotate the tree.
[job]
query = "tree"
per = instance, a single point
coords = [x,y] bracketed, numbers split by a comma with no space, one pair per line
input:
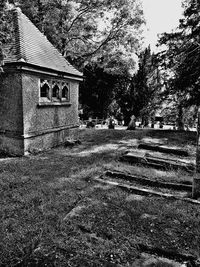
[6,31]
[87,31]
[6,37]
[138,96]
[182,55]
[96,93]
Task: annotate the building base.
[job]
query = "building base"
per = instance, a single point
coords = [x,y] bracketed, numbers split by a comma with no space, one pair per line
[37,143]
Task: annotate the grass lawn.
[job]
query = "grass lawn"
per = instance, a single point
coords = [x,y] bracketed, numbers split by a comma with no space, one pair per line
[54,214]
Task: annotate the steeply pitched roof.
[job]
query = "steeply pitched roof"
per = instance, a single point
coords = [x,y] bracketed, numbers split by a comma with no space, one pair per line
[31,46]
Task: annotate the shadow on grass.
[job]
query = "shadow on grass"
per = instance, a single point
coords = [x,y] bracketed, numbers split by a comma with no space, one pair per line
[38,192]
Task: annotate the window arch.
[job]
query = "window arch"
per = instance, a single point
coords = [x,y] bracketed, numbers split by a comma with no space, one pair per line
[65,91]
[55,91]
[44,89]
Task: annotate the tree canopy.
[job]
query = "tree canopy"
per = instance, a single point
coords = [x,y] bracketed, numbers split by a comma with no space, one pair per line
[182,55]
[139,98]
[85,31]
[5,30]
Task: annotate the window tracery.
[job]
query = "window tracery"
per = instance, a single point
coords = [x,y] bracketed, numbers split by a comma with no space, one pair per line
[44,88]
[54,91]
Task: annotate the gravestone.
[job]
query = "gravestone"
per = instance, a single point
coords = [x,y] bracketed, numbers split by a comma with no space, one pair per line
[111,123]
[132,123]
[90,123]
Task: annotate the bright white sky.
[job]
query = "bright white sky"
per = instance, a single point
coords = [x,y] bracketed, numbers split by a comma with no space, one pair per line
[161,16]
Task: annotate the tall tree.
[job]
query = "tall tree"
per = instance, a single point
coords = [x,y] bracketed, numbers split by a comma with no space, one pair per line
[96,93]
[138,98]
[181,58]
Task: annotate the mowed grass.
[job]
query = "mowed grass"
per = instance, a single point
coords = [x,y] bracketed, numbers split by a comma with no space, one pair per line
[54,214]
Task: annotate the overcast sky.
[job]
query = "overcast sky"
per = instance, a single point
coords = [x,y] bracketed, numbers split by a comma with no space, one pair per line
[161,16]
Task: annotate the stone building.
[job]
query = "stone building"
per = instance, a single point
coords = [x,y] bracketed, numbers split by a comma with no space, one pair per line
[38,91]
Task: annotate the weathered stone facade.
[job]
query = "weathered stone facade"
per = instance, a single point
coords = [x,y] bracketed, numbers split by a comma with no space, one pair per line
[29,124]
[11,113]
[47,124]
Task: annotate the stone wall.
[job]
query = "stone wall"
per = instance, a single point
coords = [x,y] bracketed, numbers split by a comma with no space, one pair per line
[26,123]
[11,115]
[48,140]
[47,124]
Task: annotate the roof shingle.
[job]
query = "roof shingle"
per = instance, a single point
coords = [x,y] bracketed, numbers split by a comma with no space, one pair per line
[32,47]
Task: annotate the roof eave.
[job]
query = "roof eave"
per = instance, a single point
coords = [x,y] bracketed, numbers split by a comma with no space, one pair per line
[40,69]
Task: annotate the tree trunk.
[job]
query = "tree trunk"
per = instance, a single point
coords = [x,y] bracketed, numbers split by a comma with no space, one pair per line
[196,179]
[145,121]
[127,119]
[180,125]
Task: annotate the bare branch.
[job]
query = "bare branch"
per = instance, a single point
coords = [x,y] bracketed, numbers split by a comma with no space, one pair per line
[106,40]
[77,17]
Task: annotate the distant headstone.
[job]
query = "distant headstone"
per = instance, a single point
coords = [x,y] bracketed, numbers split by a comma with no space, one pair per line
[111,123]
[90,123]
[132,123]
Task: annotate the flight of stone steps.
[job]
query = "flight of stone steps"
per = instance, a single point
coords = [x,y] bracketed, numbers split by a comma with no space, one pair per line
[154,156]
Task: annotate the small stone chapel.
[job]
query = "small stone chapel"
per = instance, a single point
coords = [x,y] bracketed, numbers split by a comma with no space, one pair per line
[38,92]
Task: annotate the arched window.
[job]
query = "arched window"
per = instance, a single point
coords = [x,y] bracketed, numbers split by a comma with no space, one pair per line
[44,88]
[55,91]
[65,91]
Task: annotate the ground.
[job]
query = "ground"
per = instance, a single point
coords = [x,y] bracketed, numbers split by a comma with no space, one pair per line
[54,212]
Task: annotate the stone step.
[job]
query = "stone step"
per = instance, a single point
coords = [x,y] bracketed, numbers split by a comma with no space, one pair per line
[146,191]
[156,161]
[149,182]
[164,149]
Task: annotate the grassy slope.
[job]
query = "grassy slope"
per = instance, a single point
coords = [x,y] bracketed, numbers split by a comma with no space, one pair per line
[53,213]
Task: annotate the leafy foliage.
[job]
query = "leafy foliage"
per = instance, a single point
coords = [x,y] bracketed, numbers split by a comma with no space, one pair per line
[96,93]
[103,31]
[106,93]
[181,62]
[6,30]
[139,97]
[182,55]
